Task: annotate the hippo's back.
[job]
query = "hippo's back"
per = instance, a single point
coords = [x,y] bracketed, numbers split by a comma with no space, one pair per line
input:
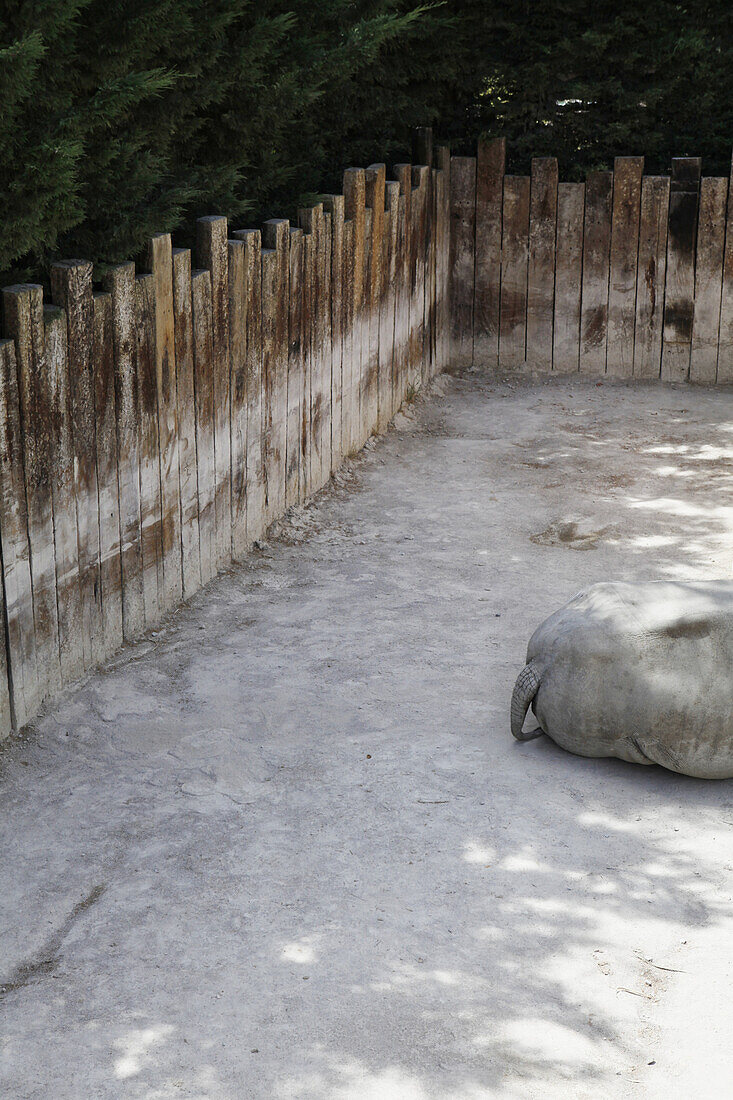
[643,672]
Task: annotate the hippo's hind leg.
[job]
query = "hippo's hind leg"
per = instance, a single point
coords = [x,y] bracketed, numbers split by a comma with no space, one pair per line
[525,689]
[648,750]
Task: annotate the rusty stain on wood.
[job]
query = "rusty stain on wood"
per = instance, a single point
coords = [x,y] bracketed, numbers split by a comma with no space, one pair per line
[651,276]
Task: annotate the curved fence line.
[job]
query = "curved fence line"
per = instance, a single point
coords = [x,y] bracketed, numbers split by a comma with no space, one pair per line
[151,432]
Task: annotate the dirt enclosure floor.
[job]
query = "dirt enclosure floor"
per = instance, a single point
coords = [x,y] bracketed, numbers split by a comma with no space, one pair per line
[288,848]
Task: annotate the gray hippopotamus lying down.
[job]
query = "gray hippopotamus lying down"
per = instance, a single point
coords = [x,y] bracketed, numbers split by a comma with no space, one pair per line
[643,672]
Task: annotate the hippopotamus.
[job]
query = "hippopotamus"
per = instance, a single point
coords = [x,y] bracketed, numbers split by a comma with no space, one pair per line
[643,672]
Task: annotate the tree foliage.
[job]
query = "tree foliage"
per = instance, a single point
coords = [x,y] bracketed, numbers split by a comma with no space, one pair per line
[122,118]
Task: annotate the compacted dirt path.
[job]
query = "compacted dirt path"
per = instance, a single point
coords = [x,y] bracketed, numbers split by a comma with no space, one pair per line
[288,849]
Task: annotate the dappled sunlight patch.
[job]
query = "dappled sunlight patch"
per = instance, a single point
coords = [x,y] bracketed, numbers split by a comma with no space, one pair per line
[478,853]
[137,1047]
[299,951]
[547,1041]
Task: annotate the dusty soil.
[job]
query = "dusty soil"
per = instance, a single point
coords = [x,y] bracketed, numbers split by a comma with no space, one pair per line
[287,848]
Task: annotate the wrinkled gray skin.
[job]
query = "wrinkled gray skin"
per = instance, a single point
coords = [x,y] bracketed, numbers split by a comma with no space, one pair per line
[643,672]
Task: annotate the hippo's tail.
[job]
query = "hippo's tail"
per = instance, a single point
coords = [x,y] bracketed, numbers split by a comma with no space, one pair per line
[525,689]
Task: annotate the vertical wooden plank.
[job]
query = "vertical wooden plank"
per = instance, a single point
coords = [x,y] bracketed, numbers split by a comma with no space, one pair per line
[312,220]
[71,284]
[276,236]
[355,211]
[326,359]
[422,157]
[295,370]
[186,398]
[161,265]
[725,341]
[651,275]
[375,181]
[627,175]
[68,594]
[514,250]
[568,276]
[708,279]
[255,485]
[364,427]
[238,394]
[596,267]
[203,349]
[679,298]
[462,250]
[213,255]
[443,270]
[335,206]
[309,275]
[419,341]
[541,262]
[387,308]
[490,167]
[110,566]
[18,656]
[23,310]
[430,273]
[150,503]
[402,305]
[348,401]
[120,282]
[403,173]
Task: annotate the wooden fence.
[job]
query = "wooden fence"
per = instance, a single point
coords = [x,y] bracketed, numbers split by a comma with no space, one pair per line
[625,274]
[152,431]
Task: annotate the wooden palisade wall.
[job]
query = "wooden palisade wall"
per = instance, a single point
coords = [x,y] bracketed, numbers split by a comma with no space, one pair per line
[151,430]
[625,274]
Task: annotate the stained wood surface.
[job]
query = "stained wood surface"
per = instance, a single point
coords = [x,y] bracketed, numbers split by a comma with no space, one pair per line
[355,211]
[150,500]
[623,265]
[403,174]
[335,206]
[541,262]
[490,167]
[313,223]
[419,340]
[161,265]
[596,268]
[514,253]
[213,255]
[110,566]
[462,256]
[255,476]
[651,276]
[350,398]
[442,242]
[374,180]
[387,307]
[71,285]
[708,279]
[310,256]
[20,669]
[275,276]
[296,320]
[679,299]
[238,394]
[23,314]
[568,277]
[186,396]
[68,594]
[203,345]
[725,339]
[120,283]
[326,366]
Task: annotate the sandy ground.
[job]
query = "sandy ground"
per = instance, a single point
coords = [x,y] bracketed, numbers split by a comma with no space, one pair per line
[288,848]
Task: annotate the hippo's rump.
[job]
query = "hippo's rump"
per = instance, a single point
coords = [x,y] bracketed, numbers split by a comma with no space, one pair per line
[643,672]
